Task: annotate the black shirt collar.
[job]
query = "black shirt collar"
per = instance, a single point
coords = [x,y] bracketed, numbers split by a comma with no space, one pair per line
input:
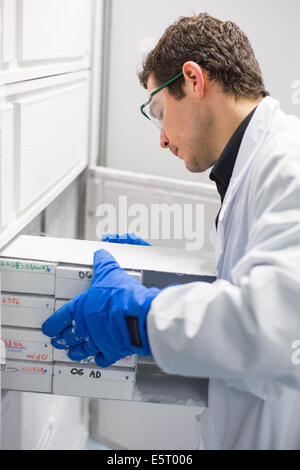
[223,169]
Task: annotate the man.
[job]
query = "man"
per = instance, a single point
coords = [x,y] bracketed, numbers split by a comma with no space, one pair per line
[207,96]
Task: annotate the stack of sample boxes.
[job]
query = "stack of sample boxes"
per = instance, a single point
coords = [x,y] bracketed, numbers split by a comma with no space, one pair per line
[31,292]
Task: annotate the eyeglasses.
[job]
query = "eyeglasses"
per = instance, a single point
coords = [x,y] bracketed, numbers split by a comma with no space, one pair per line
[153,109]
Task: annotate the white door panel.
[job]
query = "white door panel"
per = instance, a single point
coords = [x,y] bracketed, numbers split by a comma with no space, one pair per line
[62,26]
[41,37]
[7,32]
[47,152]
[6,164]
[44,144]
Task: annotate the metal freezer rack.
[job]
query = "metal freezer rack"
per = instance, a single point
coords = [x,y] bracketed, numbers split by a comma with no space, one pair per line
[33,289]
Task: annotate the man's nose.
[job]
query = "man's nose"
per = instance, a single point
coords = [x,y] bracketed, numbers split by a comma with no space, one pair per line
[164,141]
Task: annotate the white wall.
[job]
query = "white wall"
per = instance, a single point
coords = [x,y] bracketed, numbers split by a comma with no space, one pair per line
[272,27]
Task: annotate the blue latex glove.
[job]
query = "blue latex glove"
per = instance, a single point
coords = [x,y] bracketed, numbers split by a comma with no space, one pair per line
[108,321]
[127,238]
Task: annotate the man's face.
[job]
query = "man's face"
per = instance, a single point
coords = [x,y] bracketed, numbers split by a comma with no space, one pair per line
[187,127]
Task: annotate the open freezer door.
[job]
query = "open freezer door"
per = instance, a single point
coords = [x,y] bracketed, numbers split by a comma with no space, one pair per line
[154,396]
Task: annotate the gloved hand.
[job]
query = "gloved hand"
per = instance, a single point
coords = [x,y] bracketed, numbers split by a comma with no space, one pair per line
[127,238]
[107,321]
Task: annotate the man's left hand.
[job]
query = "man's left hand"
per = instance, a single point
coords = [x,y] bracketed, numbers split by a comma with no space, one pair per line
[108,321]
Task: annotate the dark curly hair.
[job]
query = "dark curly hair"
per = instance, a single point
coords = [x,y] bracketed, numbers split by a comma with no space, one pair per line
[231,60]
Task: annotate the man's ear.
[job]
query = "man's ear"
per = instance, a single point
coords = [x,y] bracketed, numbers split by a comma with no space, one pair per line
[194,78]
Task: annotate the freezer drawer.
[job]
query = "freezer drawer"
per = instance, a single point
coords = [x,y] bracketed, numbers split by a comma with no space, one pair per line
[26,344]
[72,280]
[27,376]
[86,380]
[24,310]
[69,266]
[27,276]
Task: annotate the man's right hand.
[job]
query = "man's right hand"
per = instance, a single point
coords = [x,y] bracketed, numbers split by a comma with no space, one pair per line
[127,238]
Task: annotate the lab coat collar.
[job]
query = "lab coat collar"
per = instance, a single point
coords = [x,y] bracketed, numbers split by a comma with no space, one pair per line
[254,137]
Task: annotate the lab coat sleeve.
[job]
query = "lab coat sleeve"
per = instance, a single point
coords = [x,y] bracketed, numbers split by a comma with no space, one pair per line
[247,328]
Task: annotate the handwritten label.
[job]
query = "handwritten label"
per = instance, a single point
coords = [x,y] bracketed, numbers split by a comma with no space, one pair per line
[13,344]
[85,275]
[11,300]
[32,370]
[23,266]
[37,357]
[94,374]
[28,350]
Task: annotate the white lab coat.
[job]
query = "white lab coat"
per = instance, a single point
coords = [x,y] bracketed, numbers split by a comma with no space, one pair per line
[239,330]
